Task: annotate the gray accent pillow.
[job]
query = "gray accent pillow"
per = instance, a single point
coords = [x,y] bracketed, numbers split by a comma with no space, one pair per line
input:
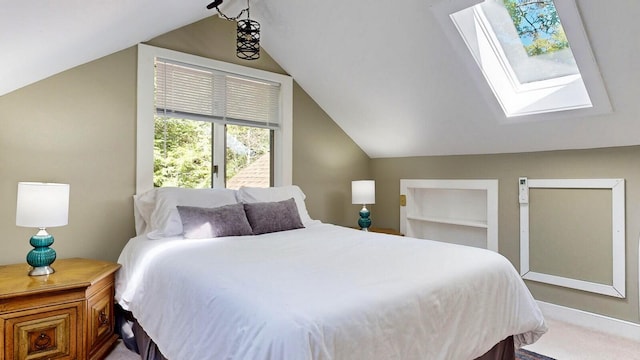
[201,223]
[267,217]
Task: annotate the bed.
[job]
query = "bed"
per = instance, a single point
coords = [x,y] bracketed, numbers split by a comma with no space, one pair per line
[309,290]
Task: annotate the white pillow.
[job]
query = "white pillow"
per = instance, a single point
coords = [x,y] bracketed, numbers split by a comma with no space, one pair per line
[143,205]
[278,193]
[165,220]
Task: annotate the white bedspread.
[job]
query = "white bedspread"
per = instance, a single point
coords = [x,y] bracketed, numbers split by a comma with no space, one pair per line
[324,292]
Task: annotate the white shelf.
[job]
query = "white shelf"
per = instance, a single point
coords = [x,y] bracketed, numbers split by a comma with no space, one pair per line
[461,212]
[471,223]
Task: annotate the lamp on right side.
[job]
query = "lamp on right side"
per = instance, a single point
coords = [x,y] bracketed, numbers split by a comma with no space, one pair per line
[363,192]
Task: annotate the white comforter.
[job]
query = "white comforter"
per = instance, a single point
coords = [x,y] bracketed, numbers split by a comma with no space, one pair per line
[324,292]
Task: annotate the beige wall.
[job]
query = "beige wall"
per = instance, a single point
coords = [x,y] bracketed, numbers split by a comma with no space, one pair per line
[325,161]
[572,226]
[597,163]
[76,127]
[79,127]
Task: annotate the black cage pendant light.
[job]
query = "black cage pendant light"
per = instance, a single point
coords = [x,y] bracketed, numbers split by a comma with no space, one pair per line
[248,33]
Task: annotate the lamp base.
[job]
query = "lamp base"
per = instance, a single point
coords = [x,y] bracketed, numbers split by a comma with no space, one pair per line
[41,270]
[41,256]
[364,222]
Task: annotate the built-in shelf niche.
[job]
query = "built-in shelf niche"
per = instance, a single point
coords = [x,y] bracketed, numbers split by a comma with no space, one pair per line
[463,212]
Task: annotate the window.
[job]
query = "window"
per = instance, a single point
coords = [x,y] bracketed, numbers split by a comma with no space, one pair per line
[534,56]
[205,123]
[193,104]
[185,150]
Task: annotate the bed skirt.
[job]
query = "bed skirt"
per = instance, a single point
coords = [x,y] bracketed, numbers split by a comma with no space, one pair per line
[136,339]
[504,350]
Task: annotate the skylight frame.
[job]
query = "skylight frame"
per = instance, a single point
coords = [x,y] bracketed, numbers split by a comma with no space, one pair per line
[580,48]
[508,69]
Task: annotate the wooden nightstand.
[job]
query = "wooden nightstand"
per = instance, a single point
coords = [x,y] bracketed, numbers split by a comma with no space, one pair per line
[66,315]
[385,231]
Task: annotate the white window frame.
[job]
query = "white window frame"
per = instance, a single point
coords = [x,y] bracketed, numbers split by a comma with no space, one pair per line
[283,136]
[591,78]
[504,68]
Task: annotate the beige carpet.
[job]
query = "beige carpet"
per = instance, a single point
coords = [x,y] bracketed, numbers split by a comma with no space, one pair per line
[565,341]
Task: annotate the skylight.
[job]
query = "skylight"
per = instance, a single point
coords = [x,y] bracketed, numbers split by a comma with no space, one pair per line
[523,52]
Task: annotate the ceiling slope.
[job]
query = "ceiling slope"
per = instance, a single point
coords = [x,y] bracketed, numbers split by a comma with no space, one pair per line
[397,84]
[386,73]
[42,38]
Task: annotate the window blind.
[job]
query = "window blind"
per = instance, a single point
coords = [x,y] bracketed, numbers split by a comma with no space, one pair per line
[198,93]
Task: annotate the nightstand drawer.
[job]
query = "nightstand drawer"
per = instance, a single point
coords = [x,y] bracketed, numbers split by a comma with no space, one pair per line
[101,318]
[44,333]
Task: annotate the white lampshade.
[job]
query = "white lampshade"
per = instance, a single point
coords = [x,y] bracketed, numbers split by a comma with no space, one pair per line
[42,205]
[363,192]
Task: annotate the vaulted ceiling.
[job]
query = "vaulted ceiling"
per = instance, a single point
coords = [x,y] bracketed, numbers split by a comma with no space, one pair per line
[387,72]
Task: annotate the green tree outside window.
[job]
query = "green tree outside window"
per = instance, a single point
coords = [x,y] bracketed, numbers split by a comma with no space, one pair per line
[538,25]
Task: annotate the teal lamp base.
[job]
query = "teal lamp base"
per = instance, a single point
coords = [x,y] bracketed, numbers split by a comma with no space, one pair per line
[364,222]
[41,256]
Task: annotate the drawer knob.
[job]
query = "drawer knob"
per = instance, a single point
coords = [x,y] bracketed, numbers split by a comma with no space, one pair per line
[103,319]
[43,341]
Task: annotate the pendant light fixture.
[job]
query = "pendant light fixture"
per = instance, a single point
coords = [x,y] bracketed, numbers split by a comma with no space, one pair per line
[248,33]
